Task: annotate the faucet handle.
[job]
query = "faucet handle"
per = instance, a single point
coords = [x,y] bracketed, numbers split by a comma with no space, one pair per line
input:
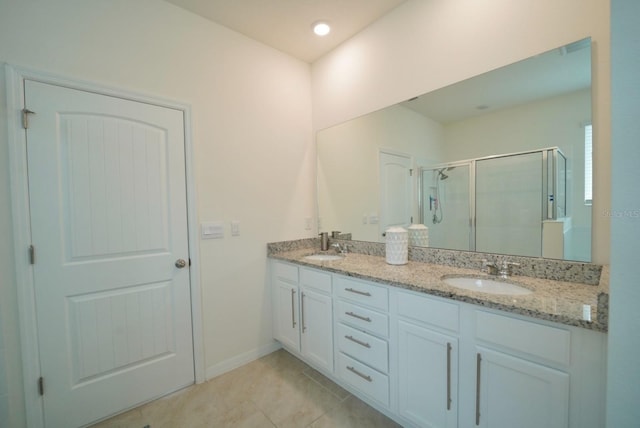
[507,267]
[489,267]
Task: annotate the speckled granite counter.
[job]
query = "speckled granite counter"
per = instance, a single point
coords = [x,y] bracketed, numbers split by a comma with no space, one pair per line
[558,301]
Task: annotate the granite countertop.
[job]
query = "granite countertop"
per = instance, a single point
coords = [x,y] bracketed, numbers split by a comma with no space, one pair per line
[558,301]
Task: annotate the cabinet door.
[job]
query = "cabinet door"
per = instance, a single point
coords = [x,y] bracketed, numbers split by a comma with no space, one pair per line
[316,325]
[513,392]
[285,311]
[428,376]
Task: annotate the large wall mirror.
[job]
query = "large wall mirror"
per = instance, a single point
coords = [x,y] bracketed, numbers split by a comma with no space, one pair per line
[497,163]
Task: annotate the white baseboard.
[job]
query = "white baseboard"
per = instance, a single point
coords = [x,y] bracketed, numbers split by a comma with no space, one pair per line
[241,360]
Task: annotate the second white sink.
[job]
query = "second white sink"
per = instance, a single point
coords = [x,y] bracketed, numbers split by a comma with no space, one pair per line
[486,285]
[324,257]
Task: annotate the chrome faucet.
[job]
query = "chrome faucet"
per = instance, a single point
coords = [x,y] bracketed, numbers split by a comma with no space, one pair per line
[503,270]
[490,267]
[341,249]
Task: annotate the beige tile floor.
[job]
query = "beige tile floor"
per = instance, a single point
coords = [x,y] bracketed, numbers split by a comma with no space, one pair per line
[277,390]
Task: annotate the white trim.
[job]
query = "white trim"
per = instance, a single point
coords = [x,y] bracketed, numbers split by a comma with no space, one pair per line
[242,359]
[15,77]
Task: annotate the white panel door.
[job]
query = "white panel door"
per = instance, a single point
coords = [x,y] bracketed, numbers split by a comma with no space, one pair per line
[108,213]
[395,191]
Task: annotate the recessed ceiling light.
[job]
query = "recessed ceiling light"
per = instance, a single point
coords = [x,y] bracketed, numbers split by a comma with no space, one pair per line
[321,28]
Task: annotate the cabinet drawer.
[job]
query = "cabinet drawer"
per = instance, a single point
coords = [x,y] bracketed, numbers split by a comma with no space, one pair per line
[285,271]
[363,347]
[430,311]
[550,343]
[362,292]
[316,279]
[364,318]
[365,379]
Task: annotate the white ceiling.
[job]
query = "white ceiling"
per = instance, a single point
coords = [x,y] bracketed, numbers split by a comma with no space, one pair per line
[558,71]
[286,24]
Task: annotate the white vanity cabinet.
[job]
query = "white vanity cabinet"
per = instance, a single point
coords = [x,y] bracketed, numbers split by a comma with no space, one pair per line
[427,361]
[521,377]
[433,362]
[531,374]
[463,366]
[285,303]
[362,337]
[302,312]
[514,392]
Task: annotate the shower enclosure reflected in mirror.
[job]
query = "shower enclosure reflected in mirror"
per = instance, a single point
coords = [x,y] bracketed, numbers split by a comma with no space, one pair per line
[465,156]
[495,205]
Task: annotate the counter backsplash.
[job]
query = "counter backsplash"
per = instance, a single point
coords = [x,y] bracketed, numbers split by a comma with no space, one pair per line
[535,267]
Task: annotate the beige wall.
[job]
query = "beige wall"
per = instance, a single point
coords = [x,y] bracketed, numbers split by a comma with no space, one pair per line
[427,44]
[348,173]
[253,147]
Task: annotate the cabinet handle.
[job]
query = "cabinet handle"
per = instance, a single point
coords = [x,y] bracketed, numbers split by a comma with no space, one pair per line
[293,315]
[448,376]
[359,342]
[362,293]
[363,376]
[478,364]
[304,327]
[360,317]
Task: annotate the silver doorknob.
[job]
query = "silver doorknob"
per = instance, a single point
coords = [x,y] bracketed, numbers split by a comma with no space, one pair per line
[180,263]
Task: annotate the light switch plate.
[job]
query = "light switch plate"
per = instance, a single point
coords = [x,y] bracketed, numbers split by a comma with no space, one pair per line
[212,230]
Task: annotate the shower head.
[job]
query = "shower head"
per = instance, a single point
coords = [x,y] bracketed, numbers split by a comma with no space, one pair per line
[442,175]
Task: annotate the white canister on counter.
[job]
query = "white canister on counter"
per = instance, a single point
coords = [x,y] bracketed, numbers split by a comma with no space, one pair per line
[397,246]
[418,235]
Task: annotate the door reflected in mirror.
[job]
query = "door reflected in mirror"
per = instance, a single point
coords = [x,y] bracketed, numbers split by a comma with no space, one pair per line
[448,138]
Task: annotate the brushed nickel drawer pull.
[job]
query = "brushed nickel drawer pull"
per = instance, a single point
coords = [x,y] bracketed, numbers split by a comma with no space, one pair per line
[293,315]
[359,342]
[478,365]
[360,317]
[448,376]
[363,376]
[304,327]
[362,293]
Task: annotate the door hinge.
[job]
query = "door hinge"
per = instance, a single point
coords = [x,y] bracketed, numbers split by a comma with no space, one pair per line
[410,172]
[25,117]
[32,254]
[189,262]
[41,385]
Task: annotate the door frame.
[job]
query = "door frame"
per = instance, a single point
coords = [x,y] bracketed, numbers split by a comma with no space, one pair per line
[15,77]
[412,186]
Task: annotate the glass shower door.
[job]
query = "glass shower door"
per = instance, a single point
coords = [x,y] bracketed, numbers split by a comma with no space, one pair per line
[508,215]
[445,206]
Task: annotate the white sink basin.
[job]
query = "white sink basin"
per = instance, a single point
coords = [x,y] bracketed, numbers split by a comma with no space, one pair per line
[324,257]
[486,285]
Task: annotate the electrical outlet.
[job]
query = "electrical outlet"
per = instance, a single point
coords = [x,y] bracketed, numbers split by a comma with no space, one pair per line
[235,228]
